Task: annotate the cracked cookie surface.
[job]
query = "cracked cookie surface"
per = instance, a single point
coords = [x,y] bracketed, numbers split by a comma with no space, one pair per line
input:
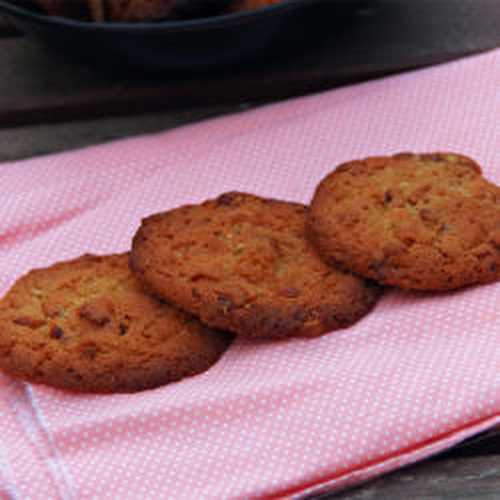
[424,222]
[242,263]
[87,325]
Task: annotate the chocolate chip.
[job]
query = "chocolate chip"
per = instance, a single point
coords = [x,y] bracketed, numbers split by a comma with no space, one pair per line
[226,199]
[378,267]
[56,332]
[299,315]
[388,197]
[123,329]
[225,304]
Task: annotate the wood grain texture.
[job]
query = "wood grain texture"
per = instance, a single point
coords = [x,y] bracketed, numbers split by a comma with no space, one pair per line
[476,478]
[391,35]
[35,140]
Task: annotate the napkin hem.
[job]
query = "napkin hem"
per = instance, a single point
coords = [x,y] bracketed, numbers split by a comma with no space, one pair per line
[55,464]
[390,463]
[18,410]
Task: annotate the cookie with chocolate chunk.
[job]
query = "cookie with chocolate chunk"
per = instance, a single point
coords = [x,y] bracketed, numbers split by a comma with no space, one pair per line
[242,263]
[423,222]
[87,325]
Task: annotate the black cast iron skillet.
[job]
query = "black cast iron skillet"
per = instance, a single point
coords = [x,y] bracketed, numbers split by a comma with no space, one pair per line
[177,44]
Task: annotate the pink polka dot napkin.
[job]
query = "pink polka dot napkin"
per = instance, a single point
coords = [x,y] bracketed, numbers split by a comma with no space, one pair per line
[418,375]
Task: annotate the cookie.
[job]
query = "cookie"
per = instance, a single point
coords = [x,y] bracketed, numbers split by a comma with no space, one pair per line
[423,222]
[87,325]
[97,10]
[252,4]
[74,9]
[138,10]
[242,263]
[150,10]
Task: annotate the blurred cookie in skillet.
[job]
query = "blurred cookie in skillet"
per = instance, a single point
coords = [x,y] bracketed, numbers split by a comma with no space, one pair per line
[64,8]
[238,5]
[85,10]
[136,10]
[105,10]
[86,325]
[415,221]
[130,10]
[242,263]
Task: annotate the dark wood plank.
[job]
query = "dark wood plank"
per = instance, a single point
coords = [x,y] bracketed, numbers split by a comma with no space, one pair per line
[476,478]
[34,140]
[389,36]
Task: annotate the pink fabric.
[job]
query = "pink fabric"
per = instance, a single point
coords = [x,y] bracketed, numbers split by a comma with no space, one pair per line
[419,374]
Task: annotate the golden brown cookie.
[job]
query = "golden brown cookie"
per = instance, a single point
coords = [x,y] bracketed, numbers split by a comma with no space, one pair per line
[424,222]
[87,325]
[242,263]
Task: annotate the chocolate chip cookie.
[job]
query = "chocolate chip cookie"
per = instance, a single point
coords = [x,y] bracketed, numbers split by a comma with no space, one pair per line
[423,222]
[242,263]
[87,325]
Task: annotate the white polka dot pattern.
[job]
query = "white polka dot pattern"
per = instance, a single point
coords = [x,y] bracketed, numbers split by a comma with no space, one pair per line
[270,419]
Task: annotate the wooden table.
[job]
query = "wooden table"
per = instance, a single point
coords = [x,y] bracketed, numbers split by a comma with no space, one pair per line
[48,104]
